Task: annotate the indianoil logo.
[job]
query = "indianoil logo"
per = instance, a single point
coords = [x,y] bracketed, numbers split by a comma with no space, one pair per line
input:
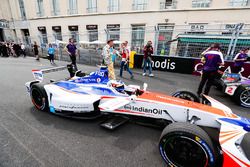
[143,109]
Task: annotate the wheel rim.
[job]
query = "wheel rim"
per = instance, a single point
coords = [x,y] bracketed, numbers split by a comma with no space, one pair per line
[245,97]
[182,151]
[37,99]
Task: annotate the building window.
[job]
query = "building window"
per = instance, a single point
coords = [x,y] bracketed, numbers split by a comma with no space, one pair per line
[39,8]
[73,30]
[57,32]
[139,4]
[26,36]
[92,6]
[43,34]
[138,35]
[113,5]
[72,7]
[165,33]
[239,3]
[93,32]
[55,9]
[22,10]
[113,31]
[168,4]
[201,3]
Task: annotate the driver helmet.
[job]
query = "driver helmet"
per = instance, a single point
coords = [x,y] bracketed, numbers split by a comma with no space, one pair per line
[117,85]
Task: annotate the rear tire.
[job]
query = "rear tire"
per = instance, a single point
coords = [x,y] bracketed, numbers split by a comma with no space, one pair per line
[186,95]
[187,145]
[39,97]
[242,96]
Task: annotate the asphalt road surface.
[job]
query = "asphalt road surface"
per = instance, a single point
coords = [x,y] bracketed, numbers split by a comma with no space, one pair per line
[32,138]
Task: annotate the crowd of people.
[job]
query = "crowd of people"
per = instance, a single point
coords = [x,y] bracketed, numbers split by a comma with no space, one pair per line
[12,49]
[110,54]
[212,58]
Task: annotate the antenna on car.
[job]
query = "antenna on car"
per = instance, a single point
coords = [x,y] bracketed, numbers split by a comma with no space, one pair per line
[145,86]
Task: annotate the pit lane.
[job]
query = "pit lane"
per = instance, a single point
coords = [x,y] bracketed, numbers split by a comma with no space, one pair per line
[32,138]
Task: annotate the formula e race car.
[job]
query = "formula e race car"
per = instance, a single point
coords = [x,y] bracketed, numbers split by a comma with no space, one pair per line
[194,134]
[236,86]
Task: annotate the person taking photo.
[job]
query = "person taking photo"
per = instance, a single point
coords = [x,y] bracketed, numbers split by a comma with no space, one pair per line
[147,60]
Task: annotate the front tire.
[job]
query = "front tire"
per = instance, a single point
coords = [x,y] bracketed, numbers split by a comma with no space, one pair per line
[39,97]
[186,95]
[242,96]
[186,145]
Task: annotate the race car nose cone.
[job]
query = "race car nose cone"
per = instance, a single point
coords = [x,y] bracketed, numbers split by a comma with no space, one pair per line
[243,122]
[246,124]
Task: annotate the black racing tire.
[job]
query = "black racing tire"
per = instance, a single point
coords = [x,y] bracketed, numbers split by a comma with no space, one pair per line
[242,96]
[186,95]
[187,145]
[39,97]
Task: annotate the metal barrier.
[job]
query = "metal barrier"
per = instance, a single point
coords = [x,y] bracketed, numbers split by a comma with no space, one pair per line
[168,39]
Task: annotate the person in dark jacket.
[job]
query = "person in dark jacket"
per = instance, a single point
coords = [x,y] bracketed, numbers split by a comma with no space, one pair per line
[1,48]
[240,59]
[4,50]
[147,60]
[72,51]
[212,59]
[17,49]
[35,49]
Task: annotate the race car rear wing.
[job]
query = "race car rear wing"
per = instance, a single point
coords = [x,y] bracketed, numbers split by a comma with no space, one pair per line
[38,74]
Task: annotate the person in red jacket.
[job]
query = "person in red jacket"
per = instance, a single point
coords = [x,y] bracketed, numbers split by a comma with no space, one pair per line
[125,61]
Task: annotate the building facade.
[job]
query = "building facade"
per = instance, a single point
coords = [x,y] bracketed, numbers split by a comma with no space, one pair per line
[137,21]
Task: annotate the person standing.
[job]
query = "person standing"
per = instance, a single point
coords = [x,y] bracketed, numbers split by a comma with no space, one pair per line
[239,60]
[23,50]
[107,59]
[72,51]
[35,48]
[9,53]
[147,61]
[125,61]
[5,50]
[127,47]
[113,54]
[51,53]
[212,59]
[1,48]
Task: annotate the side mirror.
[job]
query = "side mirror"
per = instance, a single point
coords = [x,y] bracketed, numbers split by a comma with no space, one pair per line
[145,86]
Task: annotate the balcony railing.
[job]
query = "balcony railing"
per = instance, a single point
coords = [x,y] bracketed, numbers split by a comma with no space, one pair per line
[40,14]
[201,4]
[113,8]
[55,13]
[242,3]
[168,5]
[92,10]
[72,11]
[142,6]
